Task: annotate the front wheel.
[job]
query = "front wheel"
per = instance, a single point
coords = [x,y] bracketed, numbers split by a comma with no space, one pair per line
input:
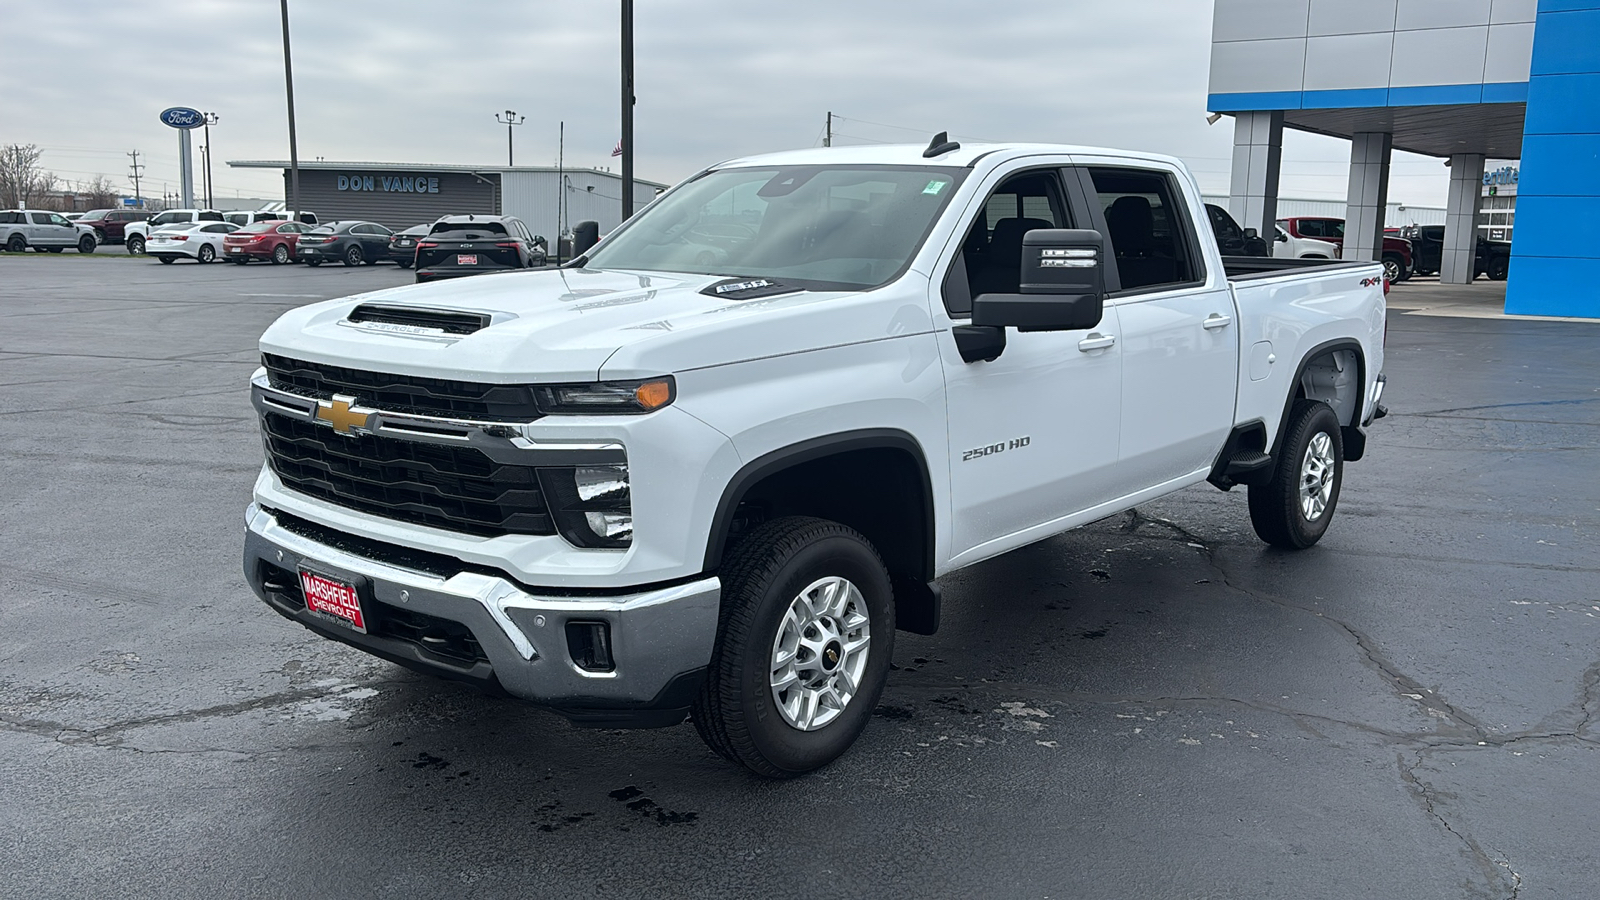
[313,263]
[135,245]
[167,260]
[804,640]
[1293,508]
[87,243]
[1393,269]
[51,249]
[403,263]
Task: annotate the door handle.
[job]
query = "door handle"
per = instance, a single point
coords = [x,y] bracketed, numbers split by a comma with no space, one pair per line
[1096,341]
[1217,320]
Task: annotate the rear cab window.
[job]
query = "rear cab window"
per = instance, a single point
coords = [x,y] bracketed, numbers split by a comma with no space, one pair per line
[1151,237]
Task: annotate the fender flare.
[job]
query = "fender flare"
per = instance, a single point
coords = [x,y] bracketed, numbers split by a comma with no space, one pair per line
[1353,346]
[806,451]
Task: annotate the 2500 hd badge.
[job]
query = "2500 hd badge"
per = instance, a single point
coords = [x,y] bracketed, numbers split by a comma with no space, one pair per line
[994,449]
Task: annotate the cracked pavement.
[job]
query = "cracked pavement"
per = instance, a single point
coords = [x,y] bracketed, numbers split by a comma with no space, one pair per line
[1154,706]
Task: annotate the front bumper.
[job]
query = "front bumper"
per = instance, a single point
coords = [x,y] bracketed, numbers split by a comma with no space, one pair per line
[516,639]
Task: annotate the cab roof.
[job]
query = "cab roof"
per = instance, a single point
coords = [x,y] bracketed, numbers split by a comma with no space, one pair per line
[966,156]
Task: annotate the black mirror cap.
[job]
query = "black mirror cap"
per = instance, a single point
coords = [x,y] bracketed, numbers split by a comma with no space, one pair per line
[1038,312]
[1063,261]
[1251,234]
[584,236]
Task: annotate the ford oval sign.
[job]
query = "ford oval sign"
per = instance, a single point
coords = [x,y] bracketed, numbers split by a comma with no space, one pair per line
[182,117]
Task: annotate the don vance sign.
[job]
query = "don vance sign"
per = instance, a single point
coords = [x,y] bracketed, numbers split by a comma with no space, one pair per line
[404,184]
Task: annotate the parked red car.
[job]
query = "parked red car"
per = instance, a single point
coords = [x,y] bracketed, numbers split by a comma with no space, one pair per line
[1398,261]
[108,224]
[274,241]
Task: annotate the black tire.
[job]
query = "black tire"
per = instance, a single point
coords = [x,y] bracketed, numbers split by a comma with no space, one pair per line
[353,256]
[403,263]
[135,245]
[17,244]
[87,243]
[1276,509]
[205,254]
[280,254]
[737,714]
[241,261]
[51,249]
[1499,269]
[313,263]
[166,260]
[100,235]
[1394,269]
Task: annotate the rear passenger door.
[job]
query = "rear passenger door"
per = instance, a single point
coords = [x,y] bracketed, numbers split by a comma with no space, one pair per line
[1179,337]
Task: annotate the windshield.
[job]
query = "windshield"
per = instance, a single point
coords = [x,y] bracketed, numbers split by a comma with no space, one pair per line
[813,226]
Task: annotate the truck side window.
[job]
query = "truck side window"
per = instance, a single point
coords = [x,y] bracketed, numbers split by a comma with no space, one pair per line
[1147,228]
[991,256]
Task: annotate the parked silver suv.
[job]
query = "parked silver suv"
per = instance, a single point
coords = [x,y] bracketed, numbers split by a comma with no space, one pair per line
[24,228]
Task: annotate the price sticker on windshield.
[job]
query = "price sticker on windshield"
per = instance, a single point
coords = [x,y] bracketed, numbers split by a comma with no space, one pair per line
[934,187]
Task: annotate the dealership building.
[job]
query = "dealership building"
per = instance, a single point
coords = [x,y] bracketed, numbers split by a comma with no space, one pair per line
[1463,80]
[400,195]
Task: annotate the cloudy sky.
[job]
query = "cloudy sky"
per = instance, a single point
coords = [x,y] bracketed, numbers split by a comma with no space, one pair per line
[407,81]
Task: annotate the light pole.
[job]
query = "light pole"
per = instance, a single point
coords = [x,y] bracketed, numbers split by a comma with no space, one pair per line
[211,119]
[627,109]
[294,153]
[511,118]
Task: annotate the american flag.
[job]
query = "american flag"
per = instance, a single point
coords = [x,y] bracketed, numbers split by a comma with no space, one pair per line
[617,150]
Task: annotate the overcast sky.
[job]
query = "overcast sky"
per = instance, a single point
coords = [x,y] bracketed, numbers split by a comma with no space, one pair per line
[408,81]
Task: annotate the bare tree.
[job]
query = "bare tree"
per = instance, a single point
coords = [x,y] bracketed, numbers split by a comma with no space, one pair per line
[21,177]
[99,192]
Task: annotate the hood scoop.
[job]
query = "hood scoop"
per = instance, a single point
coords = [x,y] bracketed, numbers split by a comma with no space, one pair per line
[418,320]
[747,288]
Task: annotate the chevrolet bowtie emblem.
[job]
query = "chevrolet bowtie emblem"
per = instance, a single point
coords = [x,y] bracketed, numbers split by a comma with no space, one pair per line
[340,412]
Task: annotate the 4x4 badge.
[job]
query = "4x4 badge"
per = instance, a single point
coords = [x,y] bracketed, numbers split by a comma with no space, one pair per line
[340,412]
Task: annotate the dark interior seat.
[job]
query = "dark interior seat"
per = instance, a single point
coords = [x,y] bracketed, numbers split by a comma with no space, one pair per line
[1133,234]
[1000,268]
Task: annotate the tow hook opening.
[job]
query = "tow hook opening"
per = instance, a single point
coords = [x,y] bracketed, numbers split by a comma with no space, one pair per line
[589,643]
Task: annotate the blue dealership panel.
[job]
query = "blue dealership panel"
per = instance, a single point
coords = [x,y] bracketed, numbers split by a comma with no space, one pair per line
[1552,274]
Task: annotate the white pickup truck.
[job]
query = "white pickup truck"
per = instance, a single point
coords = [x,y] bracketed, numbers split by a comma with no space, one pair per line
[707,469]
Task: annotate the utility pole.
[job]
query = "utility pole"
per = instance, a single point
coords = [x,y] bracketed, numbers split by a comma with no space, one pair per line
[561,185]
[294,152]
[211,119]
[627,109]
[138,170]
[511,118]
[827,139]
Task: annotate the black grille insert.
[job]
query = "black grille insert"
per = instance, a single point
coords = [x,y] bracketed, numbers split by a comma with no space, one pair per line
[448,321]
[453,488]
[404,393]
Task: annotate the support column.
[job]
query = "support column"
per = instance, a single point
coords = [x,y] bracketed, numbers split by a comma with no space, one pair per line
[1368,197]
[1257,159]
[1458,263]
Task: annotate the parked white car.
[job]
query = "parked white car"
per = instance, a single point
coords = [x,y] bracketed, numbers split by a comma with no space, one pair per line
[199,241]
[1289,247]
[138,233]
[24,228]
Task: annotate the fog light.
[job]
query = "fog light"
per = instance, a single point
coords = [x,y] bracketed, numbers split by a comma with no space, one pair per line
[611,527]
[589,644]
[602,483]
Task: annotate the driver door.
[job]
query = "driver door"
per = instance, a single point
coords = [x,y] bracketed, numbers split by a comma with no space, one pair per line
[1034,432]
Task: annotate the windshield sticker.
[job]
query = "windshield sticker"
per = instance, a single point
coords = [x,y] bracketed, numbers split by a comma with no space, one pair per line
[934,187]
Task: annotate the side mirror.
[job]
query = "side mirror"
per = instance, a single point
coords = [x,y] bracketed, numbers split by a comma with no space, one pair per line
[1251,234]
[584,236]
[1062,289]
[1282,238]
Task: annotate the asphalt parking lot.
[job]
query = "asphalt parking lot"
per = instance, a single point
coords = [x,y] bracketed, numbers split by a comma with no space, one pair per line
[1156,706]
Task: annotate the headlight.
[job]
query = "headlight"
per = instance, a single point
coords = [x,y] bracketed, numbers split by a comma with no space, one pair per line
[591,505]
[605,397]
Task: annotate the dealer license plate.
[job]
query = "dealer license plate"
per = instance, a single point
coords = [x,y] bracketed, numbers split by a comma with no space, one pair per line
[466,259]
[235,249]
[334,599]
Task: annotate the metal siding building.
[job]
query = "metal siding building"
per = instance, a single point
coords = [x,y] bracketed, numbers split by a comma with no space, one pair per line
[400,195]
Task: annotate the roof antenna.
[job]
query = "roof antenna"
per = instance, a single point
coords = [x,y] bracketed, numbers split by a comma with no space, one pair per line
[940,145]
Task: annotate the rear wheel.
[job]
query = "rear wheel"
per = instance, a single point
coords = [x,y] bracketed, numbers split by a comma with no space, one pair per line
[280,254]
[87,243]
[804,640]
[241,261]
[166,260]
[135,245]
[313,263]
[206,253]
[353,256]
[51,249]
[17,244]
[403,263]
[1393,269]
[1499,269]
[1293,508]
